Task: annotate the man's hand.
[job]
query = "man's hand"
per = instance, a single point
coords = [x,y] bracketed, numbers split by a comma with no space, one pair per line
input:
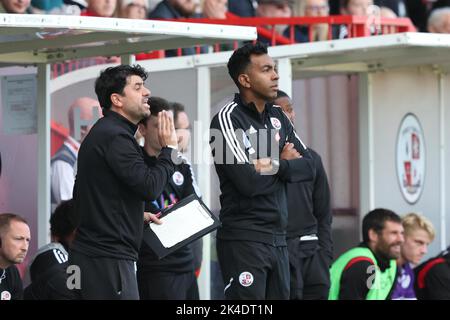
[166,130]
[214,9]
[263,165]
[150,217]
[289,152]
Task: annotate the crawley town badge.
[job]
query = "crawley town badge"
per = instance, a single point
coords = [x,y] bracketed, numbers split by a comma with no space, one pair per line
[178,178]
[276,123]
[5,295]
[246,279]
[411,158]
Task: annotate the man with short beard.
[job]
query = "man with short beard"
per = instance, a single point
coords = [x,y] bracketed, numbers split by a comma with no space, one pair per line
[368,271]
[14,242]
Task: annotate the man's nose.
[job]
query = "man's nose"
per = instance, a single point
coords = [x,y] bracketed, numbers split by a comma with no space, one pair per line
[147,91]
[275,75]
[424,249]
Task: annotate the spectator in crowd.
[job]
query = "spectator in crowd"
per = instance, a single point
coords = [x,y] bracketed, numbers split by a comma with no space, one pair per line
[112,183]
[356,7]
[175,9]
[439,20]
[54,7]
[214,9]
[316,32]
[82,4]
[132,9]
[15,6]
[275,9]
[100,8]
[309,239]
[14,242]
[368,271]
[243,8]
[48,269]
[173,277]
[83,113]
[397,6]
[419,233]
[433,278]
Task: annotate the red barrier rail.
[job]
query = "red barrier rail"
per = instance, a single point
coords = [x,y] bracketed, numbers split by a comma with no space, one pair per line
[266,27]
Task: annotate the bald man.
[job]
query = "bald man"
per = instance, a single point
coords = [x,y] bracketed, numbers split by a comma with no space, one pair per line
[83,113]
[439,20]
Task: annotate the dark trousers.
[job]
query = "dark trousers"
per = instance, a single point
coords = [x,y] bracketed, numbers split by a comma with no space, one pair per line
[310,275]
[105,278]
[154,285]
[253,270]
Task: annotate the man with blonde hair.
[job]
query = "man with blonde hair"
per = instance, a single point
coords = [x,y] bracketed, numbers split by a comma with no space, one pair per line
[419,233]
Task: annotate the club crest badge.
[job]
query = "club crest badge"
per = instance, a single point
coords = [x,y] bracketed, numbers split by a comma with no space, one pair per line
[5,295]
[411,158]
[276,123]
[178,178]
[246,279]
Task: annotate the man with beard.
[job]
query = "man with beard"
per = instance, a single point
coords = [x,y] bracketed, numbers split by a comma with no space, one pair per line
[368,272]
[14,242]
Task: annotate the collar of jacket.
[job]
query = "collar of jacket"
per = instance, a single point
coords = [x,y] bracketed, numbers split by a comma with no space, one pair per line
[121,120]
[251,109]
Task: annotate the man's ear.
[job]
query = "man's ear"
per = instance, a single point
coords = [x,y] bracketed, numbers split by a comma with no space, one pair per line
[244,80]
[116,100]
[373,236]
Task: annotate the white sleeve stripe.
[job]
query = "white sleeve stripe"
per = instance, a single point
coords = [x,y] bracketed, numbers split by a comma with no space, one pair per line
[231,128]
[55,253]
[226,132]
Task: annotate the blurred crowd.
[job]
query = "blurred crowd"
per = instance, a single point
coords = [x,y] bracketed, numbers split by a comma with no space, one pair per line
[427,15]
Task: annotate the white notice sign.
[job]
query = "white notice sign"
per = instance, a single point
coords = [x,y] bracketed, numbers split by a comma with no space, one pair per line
[19,104]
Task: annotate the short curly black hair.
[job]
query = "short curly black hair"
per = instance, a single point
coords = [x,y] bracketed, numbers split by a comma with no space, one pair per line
[113,80]
[63,221]
[240,59]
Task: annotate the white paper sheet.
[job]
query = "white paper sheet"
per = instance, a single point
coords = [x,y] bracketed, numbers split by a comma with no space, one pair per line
[182,223]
